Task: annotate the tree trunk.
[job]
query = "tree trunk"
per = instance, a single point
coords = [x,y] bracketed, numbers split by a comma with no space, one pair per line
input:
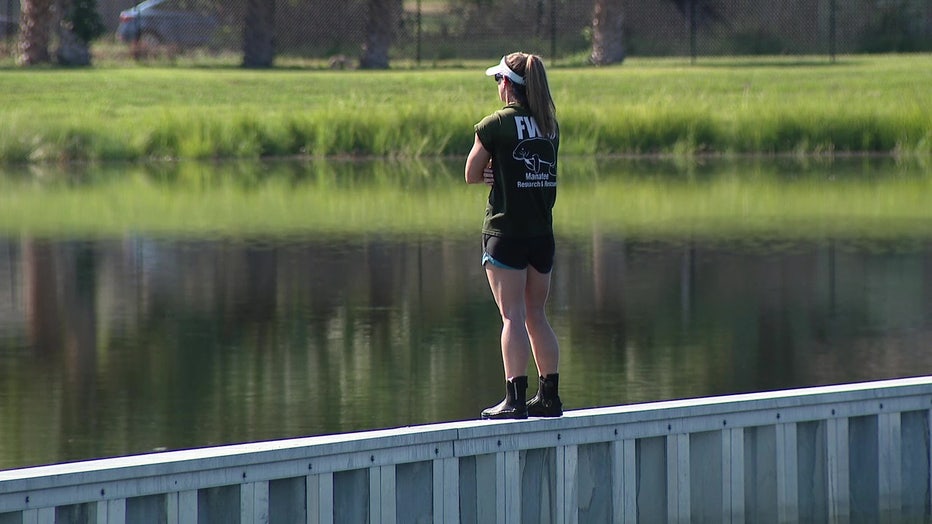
[259,34]
[72,50]
[380,29]
[607,43]
[35,29]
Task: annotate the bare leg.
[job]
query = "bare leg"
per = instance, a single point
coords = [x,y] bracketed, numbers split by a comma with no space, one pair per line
[508,288]
[543,340]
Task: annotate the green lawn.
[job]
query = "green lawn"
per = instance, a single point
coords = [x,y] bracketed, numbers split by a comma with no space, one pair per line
[762,105]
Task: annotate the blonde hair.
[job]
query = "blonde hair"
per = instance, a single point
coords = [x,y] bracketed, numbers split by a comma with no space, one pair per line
[536,89]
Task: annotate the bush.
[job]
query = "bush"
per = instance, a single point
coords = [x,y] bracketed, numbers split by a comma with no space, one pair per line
[898,30]
[85,20]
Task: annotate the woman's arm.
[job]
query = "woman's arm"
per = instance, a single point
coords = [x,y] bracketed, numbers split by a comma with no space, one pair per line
[477,162]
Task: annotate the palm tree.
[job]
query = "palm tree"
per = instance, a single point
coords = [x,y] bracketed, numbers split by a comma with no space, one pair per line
[35,29]
[608,16]
[607,44]
[380,30]
[259,34]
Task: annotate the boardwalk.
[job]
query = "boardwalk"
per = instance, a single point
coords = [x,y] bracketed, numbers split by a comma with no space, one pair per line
[841,453]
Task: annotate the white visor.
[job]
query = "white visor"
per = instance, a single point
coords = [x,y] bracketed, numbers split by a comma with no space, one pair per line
[503,69]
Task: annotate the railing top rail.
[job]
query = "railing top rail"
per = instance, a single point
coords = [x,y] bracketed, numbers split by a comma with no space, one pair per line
[256,453]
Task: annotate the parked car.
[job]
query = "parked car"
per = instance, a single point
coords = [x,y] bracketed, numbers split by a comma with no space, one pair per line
[167,22]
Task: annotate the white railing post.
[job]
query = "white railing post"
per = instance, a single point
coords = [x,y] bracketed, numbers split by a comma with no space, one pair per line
[839,488]
[568,483]
[320,498]
[511,479]
[624,481]
[111,511]
[382,503]
[678,494]
[929,451]
[890,462]
[490,485]
[39,516]
[254,502]
[182,507]
[733,475]
[787,473]
[446,490]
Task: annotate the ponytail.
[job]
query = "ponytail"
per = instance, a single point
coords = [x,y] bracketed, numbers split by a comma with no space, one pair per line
[536,90]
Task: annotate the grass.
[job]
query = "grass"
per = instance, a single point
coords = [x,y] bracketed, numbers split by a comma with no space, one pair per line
[782,197]
[722,106]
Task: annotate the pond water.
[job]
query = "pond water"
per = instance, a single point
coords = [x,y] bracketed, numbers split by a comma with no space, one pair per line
[116,344]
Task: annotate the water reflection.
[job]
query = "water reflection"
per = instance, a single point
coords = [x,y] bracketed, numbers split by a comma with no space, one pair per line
[128,343]
[121,346]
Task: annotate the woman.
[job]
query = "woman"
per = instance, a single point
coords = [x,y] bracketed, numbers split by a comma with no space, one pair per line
[515,152]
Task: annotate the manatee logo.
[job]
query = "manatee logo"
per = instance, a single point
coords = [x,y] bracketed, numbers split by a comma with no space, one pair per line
[537,154]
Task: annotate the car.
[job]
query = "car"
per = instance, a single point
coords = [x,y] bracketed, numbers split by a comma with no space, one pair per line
[183,23]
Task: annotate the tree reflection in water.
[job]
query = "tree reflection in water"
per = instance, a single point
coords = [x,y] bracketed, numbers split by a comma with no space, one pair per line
[118,346]
[249,325]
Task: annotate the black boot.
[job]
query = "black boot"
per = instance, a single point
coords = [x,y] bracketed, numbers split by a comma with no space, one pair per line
[546,403]
[514,404]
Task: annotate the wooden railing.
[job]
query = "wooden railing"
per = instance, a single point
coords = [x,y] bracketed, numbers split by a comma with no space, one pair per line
[825,454]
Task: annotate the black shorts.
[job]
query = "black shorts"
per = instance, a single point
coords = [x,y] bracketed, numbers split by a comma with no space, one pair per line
[519,253]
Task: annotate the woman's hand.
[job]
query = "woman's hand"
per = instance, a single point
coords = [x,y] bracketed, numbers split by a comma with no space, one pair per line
[488,175]
[478,162]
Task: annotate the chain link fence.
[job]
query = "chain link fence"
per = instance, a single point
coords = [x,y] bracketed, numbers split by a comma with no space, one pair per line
[431,31]
[9,20]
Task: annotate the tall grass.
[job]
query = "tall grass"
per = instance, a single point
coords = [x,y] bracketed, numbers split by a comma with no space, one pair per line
[876,103]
